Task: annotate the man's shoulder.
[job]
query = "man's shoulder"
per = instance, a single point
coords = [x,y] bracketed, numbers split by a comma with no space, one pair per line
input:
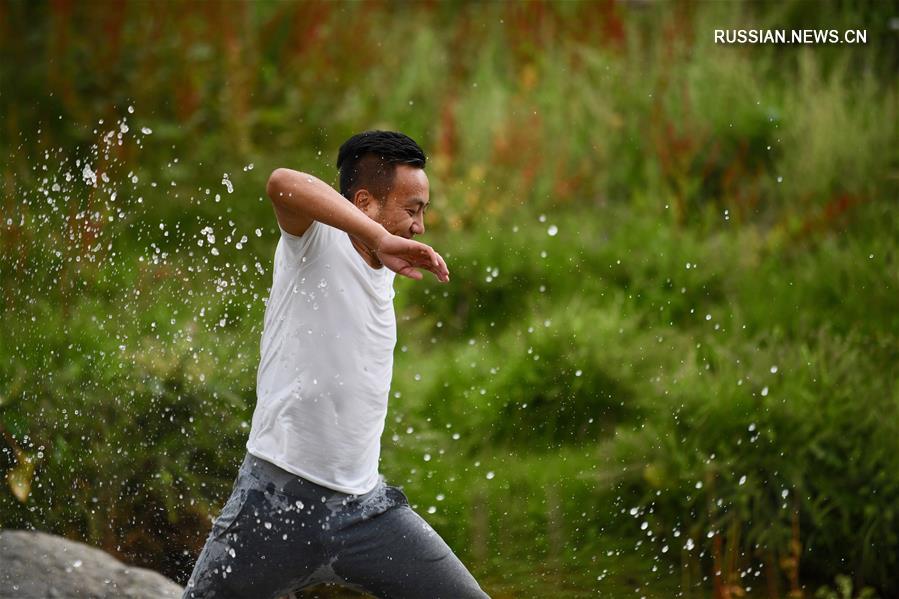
[316,237]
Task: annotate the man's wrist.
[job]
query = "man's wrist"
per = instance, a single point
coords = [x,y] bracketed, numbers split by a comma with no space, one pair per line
[377,237]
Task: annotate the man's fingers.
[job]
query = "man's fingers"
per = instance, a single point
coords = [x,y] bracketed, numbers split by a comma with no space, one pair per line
[411,272]
[431,260]
[443,267]
[432,257]
[420,256]
[440,269]
[437,266]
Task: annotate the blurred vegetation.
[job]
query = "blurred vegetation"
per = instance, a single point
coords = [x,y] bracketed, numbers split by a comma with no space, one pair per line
[666,360]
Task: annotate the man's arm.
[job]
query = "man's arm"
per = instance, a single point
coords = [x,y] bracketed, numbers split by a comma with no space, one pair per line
[299,199]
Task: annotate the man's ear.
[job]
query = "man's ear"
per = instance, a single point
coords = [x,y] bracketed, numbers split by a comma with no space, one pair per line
[364,200]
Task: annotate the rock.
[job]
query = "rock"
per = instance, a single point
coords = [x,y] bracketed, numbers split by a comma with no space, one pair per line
[39,565]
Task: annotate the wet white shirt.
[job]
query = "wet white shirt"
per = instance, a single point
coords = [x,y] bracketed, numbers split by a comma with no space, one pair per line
[326,362]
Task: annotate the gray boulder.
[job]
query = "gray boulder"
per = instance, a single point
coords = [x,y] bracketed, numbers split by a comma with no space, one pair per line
[39,565]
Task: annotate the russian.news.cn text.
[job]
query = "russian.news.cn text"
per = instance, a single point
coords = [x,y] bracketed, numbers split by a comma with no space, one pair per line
[791,36]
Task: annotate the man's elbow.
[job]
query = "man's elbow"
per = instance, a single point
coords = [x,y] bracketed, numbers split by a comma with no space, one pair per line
[274,187]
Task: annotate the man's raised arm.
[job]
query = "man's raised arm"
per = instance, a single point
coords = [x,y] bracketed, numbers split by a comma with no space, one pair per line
[299,198]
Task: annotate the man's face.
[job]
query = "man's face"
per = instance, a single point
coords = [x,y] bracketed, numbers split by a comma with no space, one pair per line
[403,213]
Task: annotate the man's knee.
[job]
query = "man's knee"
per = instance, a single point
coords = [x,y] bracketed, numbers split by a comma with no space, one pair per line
[214,576]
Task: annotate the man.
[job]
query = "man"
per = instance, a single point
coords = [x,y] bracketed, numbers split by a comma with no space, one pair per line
[309,505]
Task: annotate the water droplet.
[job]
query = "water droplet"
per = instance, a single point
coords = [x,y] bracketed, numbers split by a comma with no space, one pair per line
[490,475]
[552,231]
[90,177]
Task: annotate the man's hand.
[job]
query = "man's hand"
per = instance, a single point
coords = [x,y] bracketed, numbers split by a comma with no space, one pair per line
[404,256]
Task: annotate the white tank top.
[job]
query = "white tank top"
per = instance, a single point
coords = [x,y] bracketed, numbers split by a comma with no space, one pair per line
[326,362]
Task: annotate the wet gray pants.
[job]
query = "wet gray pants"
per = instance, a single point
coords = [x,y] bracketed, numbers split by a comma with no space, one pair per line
[280,533]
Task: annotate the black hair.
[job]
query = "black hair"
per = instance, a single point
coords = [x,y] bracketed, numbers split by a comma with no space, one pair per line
[368,161]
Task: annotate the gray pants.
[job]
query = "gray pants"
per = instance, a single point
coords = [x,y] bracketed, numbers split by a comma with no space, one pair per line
[280,533]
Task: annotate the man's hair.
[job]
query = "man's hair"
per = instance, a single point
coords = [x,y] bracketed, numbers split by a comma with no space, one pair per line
[368,161]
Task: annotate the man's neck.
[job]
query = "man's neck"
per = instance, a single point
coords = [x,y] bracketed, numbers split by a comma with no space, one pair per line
[369,256]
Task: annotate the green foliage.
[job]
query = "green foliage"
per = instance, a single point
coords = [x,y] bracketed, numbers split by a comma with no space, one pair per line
[843,590]
[747,446]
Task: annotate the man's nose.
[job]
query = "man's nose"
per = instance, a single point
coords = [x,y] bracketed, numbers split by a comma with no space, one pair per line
[418,226]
